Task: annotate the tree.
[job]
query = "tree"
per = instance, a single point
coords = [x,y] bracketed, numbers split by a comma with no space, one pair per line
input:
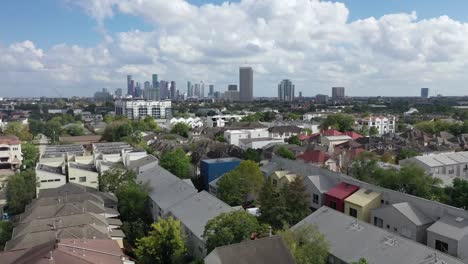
[458,193]
[176,162]
[30,155]
[253,155]
[306,244]
[75,130]
[273,209]
[342,122]
[134,230]
[220,138]
[116,131]
[285,153]
[364,166]
[406,153]
[294,140]
[181,129]
[20,190]
[240,184]
[111,180]
[231,228]
[19,130]
[164,244]
[53,129]
[297,199]
[373,131]
[6,230]
[133,201]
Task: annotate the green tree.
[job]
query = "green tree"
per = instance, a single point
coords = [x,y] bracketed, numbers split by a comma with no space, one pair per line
[297,199]
[285,153]
[20,190]
[116,131]
[240,184]
[364,166]
[342,122]
[30,155]
[253,155]
[36,126]
[294,140]
[458,193]
[306,244]
[6,230]
[273,209]
[111,180]
[75,130]
[231,228]
[406,153]
[177,163]
[133,201]
[19,130]
[220,138]
[134,230]
[181,129]
[53,129]
[164,244]
[373,131]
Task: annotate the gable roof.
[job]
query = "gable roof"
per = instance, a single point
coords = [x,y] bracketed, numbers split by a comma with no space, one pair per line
[342,190]
[196,211]
[450,226]
[73,188]
[167,195]
[321,182]
[268,250]
[314,156]
[410,212]
[353,134]
[331,132]
[142,162]
[157,176]
[351,239]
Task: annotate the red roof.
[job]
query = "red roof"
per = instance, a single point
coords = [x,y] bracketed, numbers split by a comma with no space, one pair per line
[342,190]
[331,132]
[314,156]
[303,137]
[353,134]
[9,140]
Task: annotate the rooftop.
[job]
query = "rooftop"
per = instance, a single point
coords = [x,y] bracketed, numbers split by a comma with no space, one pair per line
[450,226]
[195,212]
[221,160]
[362,197]
[9,140]
[166,196]
[351,239]
[250,140]
[142,162]
[412,213]
[46,168]
[342,190]
[80,166]
[322,182]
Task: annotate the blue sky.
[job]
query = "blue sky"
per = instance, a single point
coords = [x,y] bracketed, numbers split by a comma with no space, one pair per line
[48,45]
[48,22]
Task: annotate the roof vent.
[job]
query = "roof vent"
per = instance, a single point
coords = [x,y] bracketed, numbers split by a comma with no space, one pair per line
[356,226]
[459,219]
[368,192]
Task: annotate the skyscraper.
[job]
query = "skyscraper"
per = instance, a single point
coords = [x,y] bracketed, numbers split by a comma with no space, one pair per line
[202,90]
[197,90]
[232,87]
[155,81]
[163,90]
[211,91]
[338,92]
[246,84]
[130,88]
[286,90]
[189,89]
[173,90]
[146,85]
[424,92]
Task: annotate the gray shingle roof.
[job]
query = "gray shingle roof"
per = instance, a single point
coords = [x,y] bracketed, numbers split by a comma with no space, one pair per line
[142,162]
[72,188]
[167,195]
[157,176]
[268,250]
[350,239]
[196,211]
[412,213]
[322,182]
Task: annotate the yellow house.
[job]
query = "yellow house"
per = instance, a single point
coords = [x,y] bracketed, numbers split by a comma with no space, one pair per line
[360,204]
[280,178]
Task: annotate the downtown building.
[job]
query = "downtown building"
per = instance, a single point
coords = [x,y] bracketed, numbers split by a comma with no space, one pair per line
[246,84]
[138,109]
[338,93]
[286,91]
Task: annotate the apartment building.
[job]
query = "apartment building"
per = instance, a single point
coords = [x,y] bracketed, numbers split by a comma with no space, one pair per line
[10,152]
[383,124]
[139,109]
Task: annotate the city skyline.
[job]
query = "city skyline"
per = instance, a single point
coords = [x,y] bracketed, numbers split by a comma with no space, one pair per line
[387,49]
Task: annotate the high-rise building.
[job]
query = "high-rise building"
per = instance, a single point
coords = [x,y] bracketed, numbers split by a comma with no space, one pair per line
[202,90]
[155,82]
[246,84]
[338,92]
[138,91]
[130,87]
[118,92]
[300,94]
[232,87]
[173,90]
[286,90]
[146,85]
[211,91]
[424,92]
[163,93]
[189,89]
[197,90]
[321,98]
[103,96]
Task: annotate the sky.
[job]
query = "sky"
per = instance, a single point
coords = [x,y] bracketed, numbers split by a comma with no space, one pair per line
[385,47]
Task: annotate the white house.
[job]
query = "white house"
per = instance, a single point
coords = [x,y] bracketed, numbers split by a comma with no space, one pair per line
[332,141]
[82,174]
[49,177]
[233,136]
[221,120]
[193,122]
[10,151]
[384,124]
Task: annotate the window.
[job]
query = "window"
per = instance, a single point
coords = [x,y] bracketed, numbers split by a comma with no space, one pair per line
[395,229]
[388,226]
[441,246]
[72,178]
[451,171]
[378,222]
[57,180]
[275,182]
[44,181]
[82,179]
[333,205]
[353,212]
[315,199]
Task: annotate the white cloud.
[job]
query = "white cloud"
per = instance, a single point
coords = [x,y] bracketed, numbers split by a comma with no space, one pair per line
[310,41]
